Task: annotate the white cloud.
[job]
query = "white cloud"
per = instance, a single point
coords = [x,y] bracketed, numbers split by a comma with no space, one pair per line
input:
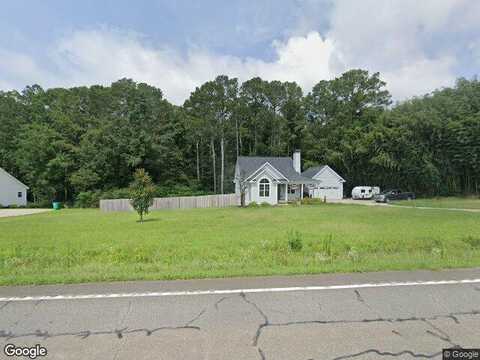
[401,40]
[103,56]
[419,78]
[404,40]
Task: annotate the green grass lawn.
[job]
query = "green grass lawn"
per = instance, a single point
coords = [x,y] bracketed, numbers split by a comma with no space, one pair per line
[88,245]
[445,202]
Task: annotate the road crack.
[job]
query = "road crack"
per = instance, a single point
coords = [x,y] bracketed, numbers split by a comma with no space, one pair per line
[452,316]
[265,318]
[83,334]
[218,302]
[265,323]
[388,353]
[119,332]
[397,333]
[442,335]
[4,305]
[196,317]
[359,296]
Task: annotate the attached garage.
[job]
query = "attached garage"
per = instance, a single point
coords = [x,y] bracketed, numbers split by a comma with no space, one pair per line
[330,184]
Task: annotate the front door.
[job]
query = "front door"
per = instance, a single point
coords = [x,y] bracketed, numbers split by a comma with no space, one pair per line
[281,191]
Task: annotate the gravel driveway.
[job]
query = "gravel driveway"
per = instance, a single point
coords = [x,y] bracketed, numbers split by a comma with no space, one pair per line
[20,212]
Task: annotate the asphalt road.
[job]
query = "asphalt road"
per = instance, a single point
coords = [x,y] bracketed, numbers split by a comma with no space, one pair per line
[323,317]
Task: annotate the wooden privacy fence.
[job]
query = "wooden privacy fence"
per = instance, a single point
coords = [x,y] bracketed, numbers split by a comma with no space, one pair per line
[181,202]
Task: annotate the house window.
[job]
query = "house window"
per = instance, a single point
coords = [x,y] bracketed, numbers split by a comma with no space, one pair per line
[264,188]
[20,194]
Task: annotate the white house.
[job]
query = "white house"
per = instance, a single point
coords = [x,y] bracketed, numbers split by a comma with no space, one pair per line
[12,190]
[275,180]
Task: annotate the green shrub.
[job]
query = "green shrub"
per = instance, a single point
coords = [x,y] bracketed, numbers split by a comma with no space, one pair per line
[295,242]
[119,193]
[180,190]
[159,191]
[87,199]
[265,204]
[43,204]
[253,205]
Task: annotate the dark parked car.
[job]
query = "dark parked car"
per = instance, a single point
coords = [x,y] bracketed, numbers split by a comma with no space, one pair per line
[394,194]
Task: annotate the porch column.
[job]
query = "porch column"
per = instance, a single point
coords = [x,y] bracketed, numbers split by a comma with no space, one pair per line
[286,192]
[301,191]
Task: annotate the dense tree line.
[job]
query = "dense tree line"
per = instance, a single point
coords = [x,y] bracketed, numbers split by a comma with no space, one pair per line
[72,144]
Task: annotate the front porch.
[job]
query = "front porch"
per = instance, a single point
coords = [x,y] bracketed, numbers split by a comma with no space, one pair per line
[289,192]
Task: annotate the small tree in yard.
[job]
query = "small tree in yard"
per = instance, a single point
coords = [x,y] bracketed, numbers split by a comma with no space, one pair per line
[142,192]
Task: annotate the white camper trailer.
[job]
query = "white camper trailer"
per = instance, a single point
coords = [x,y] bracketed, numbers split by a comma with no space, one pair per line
[365,192]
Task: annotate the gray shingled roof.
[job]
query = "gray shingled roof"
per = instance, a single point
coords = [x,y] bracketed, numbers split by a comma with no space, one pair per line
[311,172]
[250,164]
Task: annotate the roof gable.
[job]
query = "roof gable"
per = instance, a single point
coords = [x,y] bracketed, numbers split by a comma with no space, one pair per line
[3,171]
[316,171]
[267,168]
[284,165]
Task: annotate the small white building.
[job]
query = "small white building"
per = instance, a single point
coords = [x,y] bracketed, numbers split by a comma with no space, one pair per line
[12,190]
[276,180]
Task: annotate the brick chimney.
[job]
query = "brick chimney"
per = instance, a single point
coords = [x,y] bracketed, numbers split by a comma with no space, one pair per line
[297,161]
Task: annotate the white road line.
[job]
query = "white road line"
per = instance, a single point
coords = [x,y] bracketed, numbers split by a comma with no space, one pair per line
[238,291]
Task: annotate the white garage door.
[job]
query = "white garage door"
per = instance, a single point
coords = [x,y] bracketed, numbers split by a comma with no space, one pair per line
[330,192]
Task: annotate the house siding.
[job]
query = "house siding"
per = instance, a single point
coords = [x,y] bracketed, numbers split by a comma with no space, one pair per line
[9,189]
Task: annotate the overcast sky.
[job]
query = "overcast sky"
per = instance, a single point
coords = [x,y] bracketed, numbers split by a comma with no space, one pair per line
[417,46]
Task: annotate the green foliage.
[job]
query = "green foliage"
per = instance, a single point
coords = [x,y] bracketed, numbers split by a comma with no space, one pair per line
[116,193]
[295,240]
[64,142]
[87,199]
[43,204]
[142,192]
[180,190]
